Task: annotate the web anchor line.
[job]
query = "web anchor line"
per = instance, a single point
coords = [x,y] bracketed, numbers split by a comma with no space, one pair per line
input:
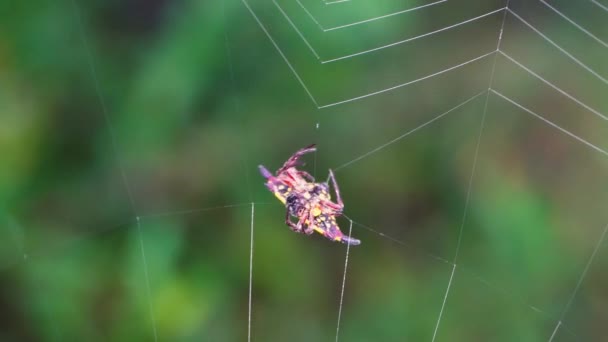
[250,274]
[147,276]
[350,230]
[445,298]
[104,109]
[463,269]
[473,170]
[602,237]
[237,103]
[555,331]
[580,281]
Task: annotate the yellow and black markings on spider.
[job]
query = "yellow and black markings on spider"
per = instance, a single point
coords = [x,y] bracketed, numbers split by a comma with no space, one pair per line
[306,200]
[282,192]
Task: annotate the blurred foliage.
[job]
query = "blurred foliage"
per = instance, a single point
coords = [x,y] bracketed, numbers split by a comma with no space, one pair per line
[131,131]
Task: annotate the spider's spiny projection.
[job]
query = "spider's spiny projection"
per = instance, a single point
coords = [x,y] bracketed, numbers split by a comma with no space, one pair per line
[306,200]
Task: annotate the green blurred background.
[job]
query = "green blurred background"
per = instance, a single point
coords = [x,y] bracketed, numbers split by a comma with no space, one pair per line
[130,136]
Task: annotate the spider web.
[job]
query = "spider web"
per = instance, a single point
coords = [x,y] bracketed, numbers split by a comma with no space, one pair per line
[507,12]
[447,79]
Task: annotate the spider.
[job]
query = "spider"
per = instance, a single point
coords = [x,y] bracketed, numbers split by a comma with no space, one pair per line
[308,201]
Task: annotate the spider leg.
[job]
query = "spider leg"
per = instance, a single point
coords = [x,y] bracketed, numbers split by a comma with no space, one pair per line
[337,191]
[307,176]
[336,209]
[308,227]
[295,227]
[293,160]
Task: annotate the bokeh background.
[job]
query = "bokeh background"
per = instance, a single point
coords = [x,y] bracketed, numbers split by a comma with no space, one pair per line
[130,136]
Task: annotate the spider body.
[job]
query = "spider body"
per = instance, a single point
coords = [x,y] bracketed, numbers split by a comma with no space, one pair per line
[309,202]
